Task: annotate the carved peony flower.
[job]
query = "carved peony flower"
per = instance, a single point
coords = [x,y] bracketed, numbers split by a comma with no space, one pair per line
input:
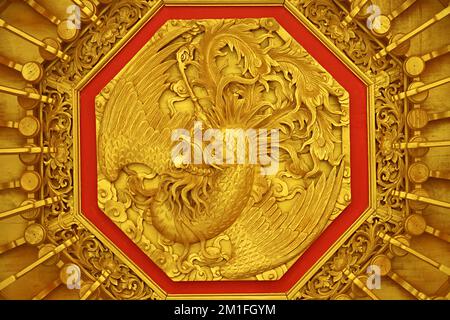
[387,145]
[125,14]
[323,282]
[106,191]
[62,154]
[116,211]
[106,35]
[108,263]
[337,32]
[269,24]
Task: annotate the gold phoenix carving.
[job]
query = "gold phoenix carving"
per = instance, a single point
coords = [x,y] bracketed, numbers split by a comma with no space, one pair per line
[223,221]
[406,235]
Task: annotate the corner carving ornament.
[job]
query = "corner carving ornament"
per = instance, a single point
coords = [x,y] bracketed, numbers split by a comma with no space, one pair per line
[262,63]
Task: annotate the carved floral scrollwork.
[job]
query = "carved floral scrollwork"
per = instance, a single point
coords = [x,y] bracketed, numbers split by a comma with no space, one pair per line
[92,255]
[97,40]
[94,42]
[352,256]
[360,47]
[351,40]
[390,160]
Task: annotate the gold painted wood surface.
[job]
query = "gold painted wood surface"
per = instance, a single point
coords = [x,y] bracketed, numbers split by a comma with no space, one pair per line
[402,139]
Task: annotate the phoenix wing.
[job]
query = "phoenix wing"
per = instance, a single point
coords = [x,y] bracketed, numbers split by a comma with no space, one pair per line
[133,128]
[264,237]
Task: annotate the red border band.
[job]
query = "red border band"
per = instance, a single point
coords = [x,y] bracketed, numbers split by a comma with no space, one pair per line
[358,136]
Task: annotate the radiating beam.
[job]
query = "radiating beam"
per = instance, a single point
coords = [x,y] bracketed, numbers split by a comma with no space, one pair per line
[443,289]
[422,88]
[9,185]
[432,116]
[437,233]
[9,124]
[28,126]
[414,197]
[390,214]
[10,64]
[385,269]
[22,34]
[437,17]
[31,206]
[440,174]
[30,182]
[30,71]
[102,278]
[63,28]
[360,284]
[42,11]
[418,118]
[400,9]
[65,220]
[352,14]
[47,290]
[441,267]
[11,245]
[87,11]
[424,144]
[11,279]
[23,93]
[30,150]
[436,53]
[407,286]
[419,172]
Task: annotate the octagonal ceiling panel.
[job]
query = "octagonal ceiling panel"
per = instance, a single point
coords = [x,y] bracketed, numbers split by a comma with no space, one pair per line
[184,93]
[223,149]
[53,73]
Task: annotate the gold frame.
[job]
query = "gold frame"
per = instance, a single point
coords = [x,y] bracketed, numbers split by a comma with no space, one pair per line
[405,231]
[371,143]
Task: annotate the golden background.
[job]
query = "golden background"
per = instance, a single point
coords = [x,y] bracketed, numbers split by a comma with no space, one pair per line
[415,256]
